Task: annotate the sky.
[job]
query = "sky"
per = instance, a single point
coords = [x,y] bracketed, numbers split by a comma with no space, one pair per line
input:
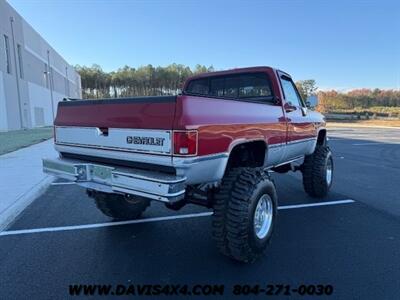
[341,44]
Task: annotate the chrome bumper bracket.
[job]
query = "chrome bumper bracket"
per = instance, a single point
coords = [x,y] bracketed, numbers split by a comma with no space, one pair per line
[154,185]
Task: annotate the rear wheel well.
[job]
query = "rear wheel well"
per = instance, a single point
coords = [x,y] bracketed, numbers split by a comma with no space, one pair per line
[321,140]
[251,154]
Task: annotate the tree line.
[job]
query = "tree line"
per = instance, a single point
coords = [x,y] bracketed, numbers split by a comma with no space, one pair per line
[129,82]
[153,81]
[358,99]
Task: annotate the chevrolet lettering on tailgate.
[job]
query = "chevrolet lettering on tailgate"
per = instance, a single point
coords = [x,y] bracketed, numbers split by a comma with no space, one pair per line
[144,140]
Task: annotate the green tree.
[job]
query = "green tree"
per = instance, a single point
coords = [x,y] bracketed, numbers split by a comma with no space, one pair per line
[306,88]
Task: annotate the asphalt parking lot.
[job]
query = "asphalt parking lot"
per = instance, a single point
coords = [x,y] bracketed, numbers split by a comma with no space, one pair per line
[352,243]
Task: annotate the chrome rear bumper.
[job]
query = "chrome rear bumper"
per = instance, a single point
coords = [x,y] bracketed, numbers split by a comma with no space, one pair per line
[150,184]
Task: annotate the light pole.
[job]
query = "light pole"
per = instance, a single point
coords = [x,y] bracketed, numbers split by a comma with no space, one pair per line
[20,108]
[67,82]
[50,76]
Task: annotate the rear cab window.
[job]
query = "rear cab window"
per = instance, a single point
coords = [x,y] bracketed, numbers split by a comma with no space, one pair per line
[199,86]
[248,86]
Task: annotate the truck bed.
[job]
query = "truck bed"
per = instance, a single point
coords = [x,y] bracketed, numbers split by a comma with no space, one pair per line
[136,112]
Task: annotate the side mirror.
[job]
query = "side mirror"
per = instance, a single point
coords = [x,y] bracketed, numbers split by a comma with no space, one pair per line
[288,107]
[304,111]
[312,101]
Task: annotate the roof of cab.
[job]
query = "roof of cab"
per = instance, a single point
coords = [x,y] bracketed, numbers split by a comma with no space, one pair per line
[232,71]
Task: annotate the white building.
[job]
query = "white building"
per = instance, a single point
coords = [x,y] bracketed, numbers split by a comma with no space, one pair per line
[33,76]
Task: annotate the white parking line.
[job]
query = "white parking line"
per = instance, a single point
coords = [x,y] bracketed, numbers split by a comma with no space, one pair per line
[375,142]
[367,144]
[379,143]
[157,219]
[63,183]
[316,204]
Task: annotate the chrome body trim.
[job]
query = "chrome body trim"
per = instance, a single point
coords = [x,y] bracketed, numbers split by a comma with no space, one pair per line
[199,169]
[274,154]
[294,149]
[189,170]
[302,140]
[287,162]
[283,153]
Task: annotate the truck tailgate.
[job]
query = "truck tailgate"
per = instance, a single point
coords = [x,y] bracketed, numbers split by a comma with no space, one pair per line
[141,124]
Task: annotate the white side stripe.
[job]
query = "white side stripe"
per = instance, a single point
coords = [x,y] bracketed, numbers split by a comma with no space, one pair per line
[167,218]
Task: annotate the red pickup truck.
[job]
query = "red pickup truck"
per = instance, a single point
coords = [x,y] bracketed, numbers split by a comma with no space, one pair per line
[213,145]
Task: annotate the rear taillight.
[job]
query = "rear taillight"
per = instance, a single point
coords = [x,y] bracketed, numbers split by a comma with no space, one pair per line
[185,142]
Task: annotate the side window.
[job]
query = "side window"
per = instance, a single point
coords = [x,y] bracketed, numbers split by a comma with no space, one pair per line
[290,92]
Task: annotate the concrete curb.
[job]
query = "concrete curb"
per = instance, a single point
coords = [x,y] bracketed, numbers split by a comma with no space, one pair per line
[8,215]
[350,125]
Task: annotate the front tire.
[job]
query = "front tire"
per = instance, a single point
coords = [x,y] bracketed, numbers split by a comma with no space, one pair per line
[244,213]
[120,207]
[317,172]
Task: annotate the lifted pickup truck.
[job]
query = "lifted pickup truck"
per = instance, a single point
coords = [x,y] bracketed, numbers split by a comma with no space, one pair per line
[213,145]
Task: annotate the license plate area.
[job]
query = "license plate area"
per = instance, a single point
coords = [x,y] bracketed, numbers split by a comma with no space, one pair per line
[100,174]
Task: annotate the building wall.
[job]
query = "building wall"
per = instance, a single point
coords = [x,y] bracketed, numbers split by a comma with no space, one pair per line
[36,78]
[3,107]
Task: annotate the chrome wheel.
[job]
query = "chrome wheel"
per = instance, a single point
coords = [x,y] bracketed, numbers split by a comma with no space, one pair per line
[329,171]
[263,215]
